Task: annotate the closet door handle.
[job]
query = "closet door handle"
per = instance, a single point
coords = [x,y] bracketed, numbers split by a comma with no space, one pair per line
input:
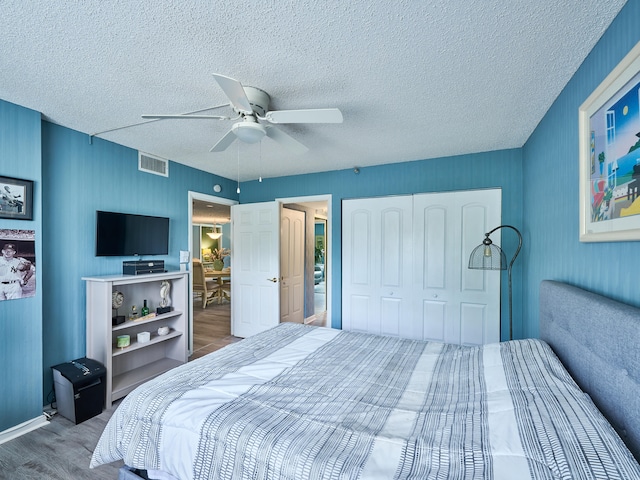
[274,280]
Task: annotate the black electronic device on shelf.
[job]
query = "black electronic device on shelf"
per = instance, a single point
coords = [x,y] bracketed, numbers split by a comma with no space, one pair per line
[141,267]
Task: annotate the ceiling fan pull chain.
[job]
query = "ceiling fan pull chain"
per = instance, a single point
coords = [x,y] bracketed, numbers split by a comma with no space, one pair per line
[260,176]
[238,189]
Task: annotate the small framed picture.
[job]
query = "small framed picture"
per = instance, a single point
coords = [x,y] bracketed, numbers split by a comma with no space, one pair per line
[16,198]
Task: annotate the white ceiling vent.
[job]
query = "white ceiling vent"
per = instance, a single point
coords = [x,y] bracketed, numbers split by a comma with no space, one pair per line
[150,164]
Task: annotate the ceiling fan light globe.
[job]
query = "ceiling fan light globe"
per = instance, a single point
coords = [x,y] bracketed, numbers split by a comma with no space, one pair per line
[249,132]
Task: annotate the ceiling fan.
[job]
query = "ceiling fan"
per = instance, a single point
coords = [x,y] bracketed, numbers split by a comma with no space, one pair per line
[254,118]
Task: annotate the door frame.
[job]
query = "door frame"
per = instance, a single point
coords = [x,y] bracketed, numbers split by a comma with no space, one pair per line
[205,198]
[329,267]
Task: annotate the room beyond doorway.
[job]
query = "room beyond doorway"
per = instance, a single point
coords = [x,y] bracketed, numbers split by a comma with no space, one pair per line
[209,228]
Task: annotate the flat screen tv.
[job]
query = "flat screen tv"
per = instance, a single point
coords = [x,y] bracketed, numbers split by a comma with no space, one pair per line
[125,234]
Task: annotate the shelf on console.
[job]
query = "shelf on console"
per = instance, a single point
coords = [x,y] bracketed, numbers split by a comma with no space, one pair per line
[126,382]
[135,345]
[131,323]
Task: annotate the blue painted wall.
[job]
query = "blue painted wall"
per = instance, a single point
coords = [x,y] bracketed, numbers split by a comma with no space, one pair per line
[21,319]
[551,210]
[82,177]
[500,169]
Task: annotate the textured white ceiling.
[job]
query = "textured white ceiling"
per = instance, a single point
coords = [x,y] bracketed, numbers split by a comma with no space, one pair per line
[413,79]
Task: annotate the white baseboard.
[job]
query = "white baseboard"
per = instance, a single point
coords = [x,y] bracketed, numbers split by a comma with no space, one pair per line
[18,430]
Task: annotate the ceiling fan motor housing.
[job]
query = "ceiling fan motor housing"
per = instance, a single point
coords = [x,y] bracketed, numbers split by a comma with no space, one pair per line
[258,99]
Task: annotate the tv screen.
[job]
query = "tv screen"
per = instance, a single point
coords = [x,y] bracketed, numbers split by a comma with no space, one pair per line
[124,234]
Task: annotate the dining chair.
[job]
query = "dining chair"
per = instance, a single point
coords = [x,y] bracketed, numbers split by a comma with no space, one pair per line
[225,286]
[202,287]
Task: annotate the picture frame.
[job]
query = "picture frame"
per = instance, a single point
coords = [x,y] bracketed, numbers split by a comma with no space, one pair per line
[609,155]
[16,198]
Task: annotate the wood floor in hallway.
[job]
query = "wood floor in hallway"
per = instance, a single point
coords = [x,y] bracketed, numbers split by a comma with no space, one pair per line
[211,328]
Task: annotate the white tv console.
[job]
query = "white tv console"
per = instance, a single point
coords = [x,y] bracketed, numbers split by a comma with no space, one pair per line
[131,366]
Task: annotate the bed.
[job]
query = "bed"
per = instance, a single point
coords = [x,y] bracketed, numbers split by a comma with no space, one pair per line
[298,402]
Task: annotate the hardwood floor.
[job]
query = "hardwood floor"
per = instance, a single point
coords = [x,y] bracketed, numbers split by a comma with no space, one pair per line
[211,328]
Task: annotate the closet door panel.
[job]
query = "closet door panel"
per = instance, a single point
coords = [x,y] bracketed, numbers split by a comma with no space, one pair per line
[377,264]
[359,260]
[359,315]
[435,239]
[476,218]
[447,227]
[433,321]
[391,312]
[391,248]
[473,323]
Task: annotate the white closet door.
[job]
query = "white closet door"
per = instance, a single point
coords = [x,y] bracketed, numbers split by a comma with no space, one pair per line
[404,266]
[376,265]
[452,303]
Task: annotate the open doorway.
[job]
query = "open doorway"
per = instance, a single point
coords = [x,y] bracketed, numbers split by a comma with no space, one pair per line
[317,258]
[210,241]
[320,265]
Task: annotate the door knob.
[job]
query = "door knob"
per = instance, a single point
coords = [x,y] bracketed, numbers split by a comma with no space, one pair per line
[274,280]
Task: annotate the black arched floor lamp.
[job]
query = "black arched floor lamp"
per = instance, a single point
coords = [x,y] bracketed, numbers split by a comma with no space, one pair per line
[488,256]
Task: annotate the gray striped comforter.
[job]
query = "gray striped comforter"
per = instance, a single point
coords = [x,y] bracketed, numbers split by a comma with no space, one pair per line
[299,402]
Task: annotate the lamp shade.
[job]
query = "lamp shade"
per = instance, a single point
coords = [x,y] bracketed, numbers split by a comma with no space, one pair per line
[487,257]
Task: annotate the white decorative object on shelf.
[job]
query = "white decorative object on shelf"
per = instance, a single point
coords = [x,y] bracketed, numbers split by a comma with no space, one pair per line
[144,337]
[163,331]
[117,299]
[165,289]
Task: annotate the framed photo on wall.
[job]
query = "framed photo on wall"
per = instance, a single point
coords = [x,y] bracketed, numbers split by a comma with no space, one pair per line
[609,130]
[18,269]
[16,198]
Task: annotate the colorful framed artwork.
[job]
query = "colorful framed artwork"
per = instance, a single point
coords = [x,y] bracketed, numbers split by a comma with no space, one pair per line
[609,129]
[16,198]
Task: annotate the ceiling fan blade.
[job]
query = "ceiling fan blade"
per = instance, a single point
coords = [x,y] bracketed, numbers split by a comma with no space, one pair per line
[235,92]
[318,115]
[285,140]
[224,142]
[191,114]
[213,117]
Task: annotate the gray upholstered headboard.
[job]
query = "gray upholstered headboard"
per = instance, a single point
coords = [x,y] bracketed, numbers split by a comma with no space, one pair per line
[598,341]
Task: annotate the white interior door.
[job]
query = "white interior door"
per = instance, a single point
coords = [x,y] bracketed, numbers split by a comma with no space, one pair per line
[452,303]
[292,234]
[376,265]
[255,274]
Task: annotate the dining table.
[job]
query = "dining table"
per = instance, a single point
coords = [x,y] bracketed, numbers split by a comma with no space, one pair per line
[221,276]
